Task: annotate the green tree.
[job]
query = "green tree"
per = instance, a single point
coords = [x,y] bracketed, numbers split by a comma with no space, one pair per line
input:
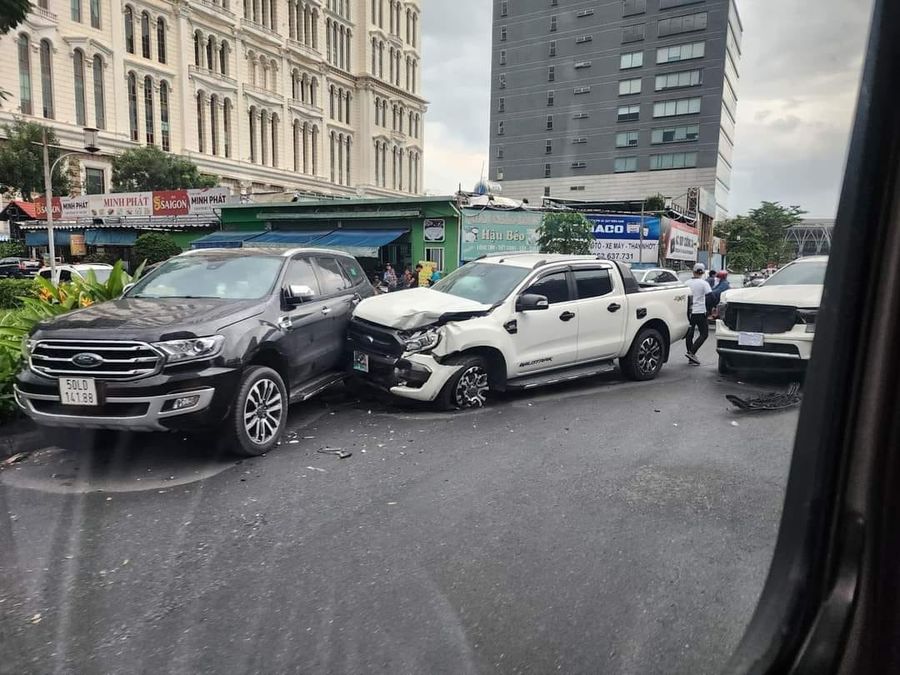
[565,232]
[149,168]
[654,203]
[773,220]
[746,248]
[13,249]
[155,247]
[22,161]
[12,13]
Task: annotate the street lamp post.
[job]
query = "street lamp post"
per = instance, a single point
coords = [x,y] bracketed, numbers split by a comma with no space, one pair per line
[90,145]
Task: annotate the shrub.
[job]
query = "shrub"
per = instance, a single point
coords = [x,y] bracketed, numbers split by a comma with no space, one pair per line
[12,289]
[154,247]
[13,249]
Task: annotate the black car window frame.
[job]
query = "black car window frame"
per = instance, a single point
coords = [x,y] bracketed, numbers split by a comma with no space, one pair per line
[286,281]
[569,290]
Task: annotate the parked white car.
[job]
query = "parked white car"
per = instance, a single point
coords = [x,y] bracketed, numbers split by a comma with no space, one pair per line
[656,275]
[515,321]
[68,272]
[771,326]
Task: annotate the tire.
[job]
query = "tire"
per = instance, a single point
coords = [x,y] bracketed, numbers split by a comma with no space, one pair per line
[469,387]
[259,415]
[645,358]
[724,366]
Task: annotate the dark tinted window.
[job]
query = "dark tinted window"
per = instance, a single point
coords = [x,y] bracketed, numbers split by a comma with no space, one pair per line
[300,273]
[592,283]
[666,277]
[353,270]
[554,286]
[332,277]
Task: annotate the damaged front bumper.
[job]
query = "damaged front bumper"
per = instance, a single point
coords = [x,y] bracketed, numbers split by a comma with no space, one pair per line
[420,377]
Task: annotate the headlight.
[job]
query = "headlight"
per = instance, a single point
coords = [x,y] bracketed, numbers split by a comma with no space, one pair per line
[422,340]
[193,349]
[27,348]
[808,318]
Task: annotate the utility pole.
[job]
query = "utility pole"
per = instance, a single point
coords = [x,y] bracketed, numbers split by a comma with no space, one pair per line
[641,254]
[48,204]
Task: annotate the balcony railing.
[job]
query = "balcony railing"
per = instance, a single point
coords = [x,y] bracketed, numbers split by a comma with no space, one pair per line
[262,91]
[200,70]
[304,49]
[216,7]
[262,29]
[44,13]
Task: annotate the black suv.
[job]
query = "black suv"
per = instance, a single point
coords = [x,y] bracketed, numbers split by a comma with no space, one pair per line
[219,340]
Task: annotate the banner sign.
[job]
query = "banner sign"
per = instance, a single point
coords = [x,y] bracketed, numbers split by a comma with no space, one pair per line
[618,237]
[682,242]
[159,203]
[487,231]
[434,230]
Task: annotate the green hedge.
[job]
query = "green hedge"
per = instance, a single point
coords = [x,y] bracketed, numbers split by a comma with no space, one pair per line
[12,289]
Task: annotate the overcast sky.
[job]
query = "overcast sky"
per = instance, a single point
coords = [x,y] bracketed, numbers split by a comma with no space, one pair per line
[800,73]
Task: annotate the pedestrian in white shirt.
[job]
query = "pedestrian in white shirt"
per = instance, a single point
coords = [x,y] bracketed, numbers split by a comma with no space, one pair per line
[699,290]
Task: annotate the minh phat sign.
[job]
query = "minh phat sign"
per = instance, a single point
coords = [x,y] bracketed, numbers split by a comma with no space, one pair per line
[159,203]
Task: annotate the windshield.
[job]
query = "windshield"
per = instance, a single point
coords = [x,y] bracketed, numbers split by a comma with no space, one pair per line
[204,277]
[101,274]
[482,282]
[799,274]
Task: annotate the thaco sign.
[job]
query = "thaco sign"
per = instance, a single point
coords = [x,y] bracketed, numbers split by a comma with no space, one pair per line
[618,237]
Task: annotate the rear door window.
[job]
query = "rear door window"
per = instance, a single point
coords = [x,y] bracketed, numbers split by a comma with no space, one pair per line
[555,287]
[332,277]
[592,283]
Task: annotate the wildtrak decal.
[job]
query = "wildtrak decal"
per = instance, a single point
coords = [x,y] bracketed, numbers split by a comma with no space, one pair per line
[535,362]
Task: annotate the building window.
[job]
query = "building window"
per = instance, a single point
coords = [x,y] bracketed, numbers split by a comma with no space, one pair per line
[682,24]
[690,132]
[694,50]
[581,116]
[674,160]
[549,122]
[75,8]
[499,152]
[132,106]
[552,24]
[576,188]
[633,33]
[581,39]
[161,40]
[148,110]
[499,173]
[666,4]
[679,80]
[551,74]
[94,181]
[632,7]
[682,106]
[47,79]
[627,139]
[584,12]
[502,81]
[164,115]
[502,57]
[547,171]
[501,104]
[548,146]
[95,13]
[579,140]
[547,188]
[226,127]
[129,30]
[582,64]
[631,60]
[201,129]
[145,35]
[504,7]
[579,165]
[628,87]
[435,254]
[583,90]
[99,95]
[78,67]
[500,129]
[550,97]
[625,164]
[629,113]
[214,125]
[552,47]
[503,33]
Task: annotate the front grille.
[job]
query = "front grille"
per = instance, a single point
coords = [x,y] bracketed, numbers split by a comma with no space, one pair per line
[370,337]
[760,318]
[102,359]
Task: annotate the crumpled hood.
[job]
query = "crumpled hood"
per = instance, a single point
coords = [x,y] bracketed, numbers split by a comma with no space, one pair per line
[806,296]
[150,319]
[416,308]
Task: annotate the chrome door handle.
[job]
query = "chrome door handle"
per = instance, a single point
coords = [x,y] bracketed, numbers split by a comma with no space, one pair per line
[326,310]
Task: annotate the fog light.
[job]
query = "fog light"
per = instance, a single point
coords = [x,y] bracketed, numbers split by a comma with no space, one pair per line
[184,402]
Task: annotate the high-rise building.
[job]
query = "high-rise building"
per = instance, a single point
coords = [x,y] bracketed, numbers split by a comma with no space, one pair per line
[312,95]
[614,99]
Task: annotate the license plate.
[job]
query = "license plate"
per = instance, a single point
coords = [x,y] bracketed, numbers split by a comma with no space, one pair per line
[78,391]
[361,362]
[751,339]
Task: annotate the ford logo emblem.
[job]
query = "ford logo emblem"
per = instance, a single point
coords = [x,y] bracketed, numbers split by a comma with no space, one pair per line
[87,360]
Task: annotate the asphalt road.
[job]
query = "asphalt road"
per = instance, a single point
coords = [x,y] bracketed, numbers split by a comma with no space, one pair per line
[603,527]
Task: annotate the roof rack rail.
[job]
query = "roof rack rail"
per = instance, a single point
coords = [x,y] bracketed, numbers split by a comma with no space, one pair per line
[539,263]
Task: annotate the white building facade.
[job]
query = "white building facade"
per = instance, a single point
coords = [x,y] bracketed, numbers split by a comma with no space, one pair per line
[269,95]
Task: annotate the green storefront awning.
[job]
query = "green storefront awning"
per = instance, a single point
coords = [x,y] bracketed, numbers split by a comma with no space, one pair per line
[342,215]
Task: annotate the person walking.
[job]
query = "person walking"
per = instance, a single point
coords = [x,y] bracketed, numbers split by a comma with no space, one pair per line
[712,279]
[722,286]
[699,290]
[390,277]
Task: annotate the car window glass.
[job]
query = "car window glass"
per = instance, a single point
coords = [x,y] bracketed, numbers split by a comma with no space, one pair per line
[554,286]
[353,271]
[665,277]
[300,273]
[651,278]
[331,276]
[592,283]
[65,275]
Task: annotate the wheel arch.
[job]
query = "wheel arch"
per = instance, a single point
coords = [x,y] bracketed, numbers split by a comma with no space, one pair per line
[497,366]
[270,357]
[663,328]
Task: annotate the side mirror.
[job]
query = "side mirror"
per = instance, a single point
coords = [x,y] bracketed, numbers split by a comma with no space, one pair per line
[297,294]
[530,302]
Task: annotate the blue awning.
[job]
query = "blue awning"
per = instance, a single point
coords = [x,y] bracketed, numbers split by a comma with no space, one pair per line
[39,238]
[110,237]
[224,239]
[360,238]
[286,238]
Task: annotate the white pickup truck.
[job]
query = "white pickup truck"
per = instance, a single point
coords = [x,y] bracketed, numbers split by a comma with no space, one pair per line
[515,321]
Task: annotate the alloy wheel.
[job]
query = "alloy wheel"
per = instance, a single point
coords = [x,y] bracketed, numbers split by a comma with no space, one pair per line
[263,410]
[472,387]
[649,355]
